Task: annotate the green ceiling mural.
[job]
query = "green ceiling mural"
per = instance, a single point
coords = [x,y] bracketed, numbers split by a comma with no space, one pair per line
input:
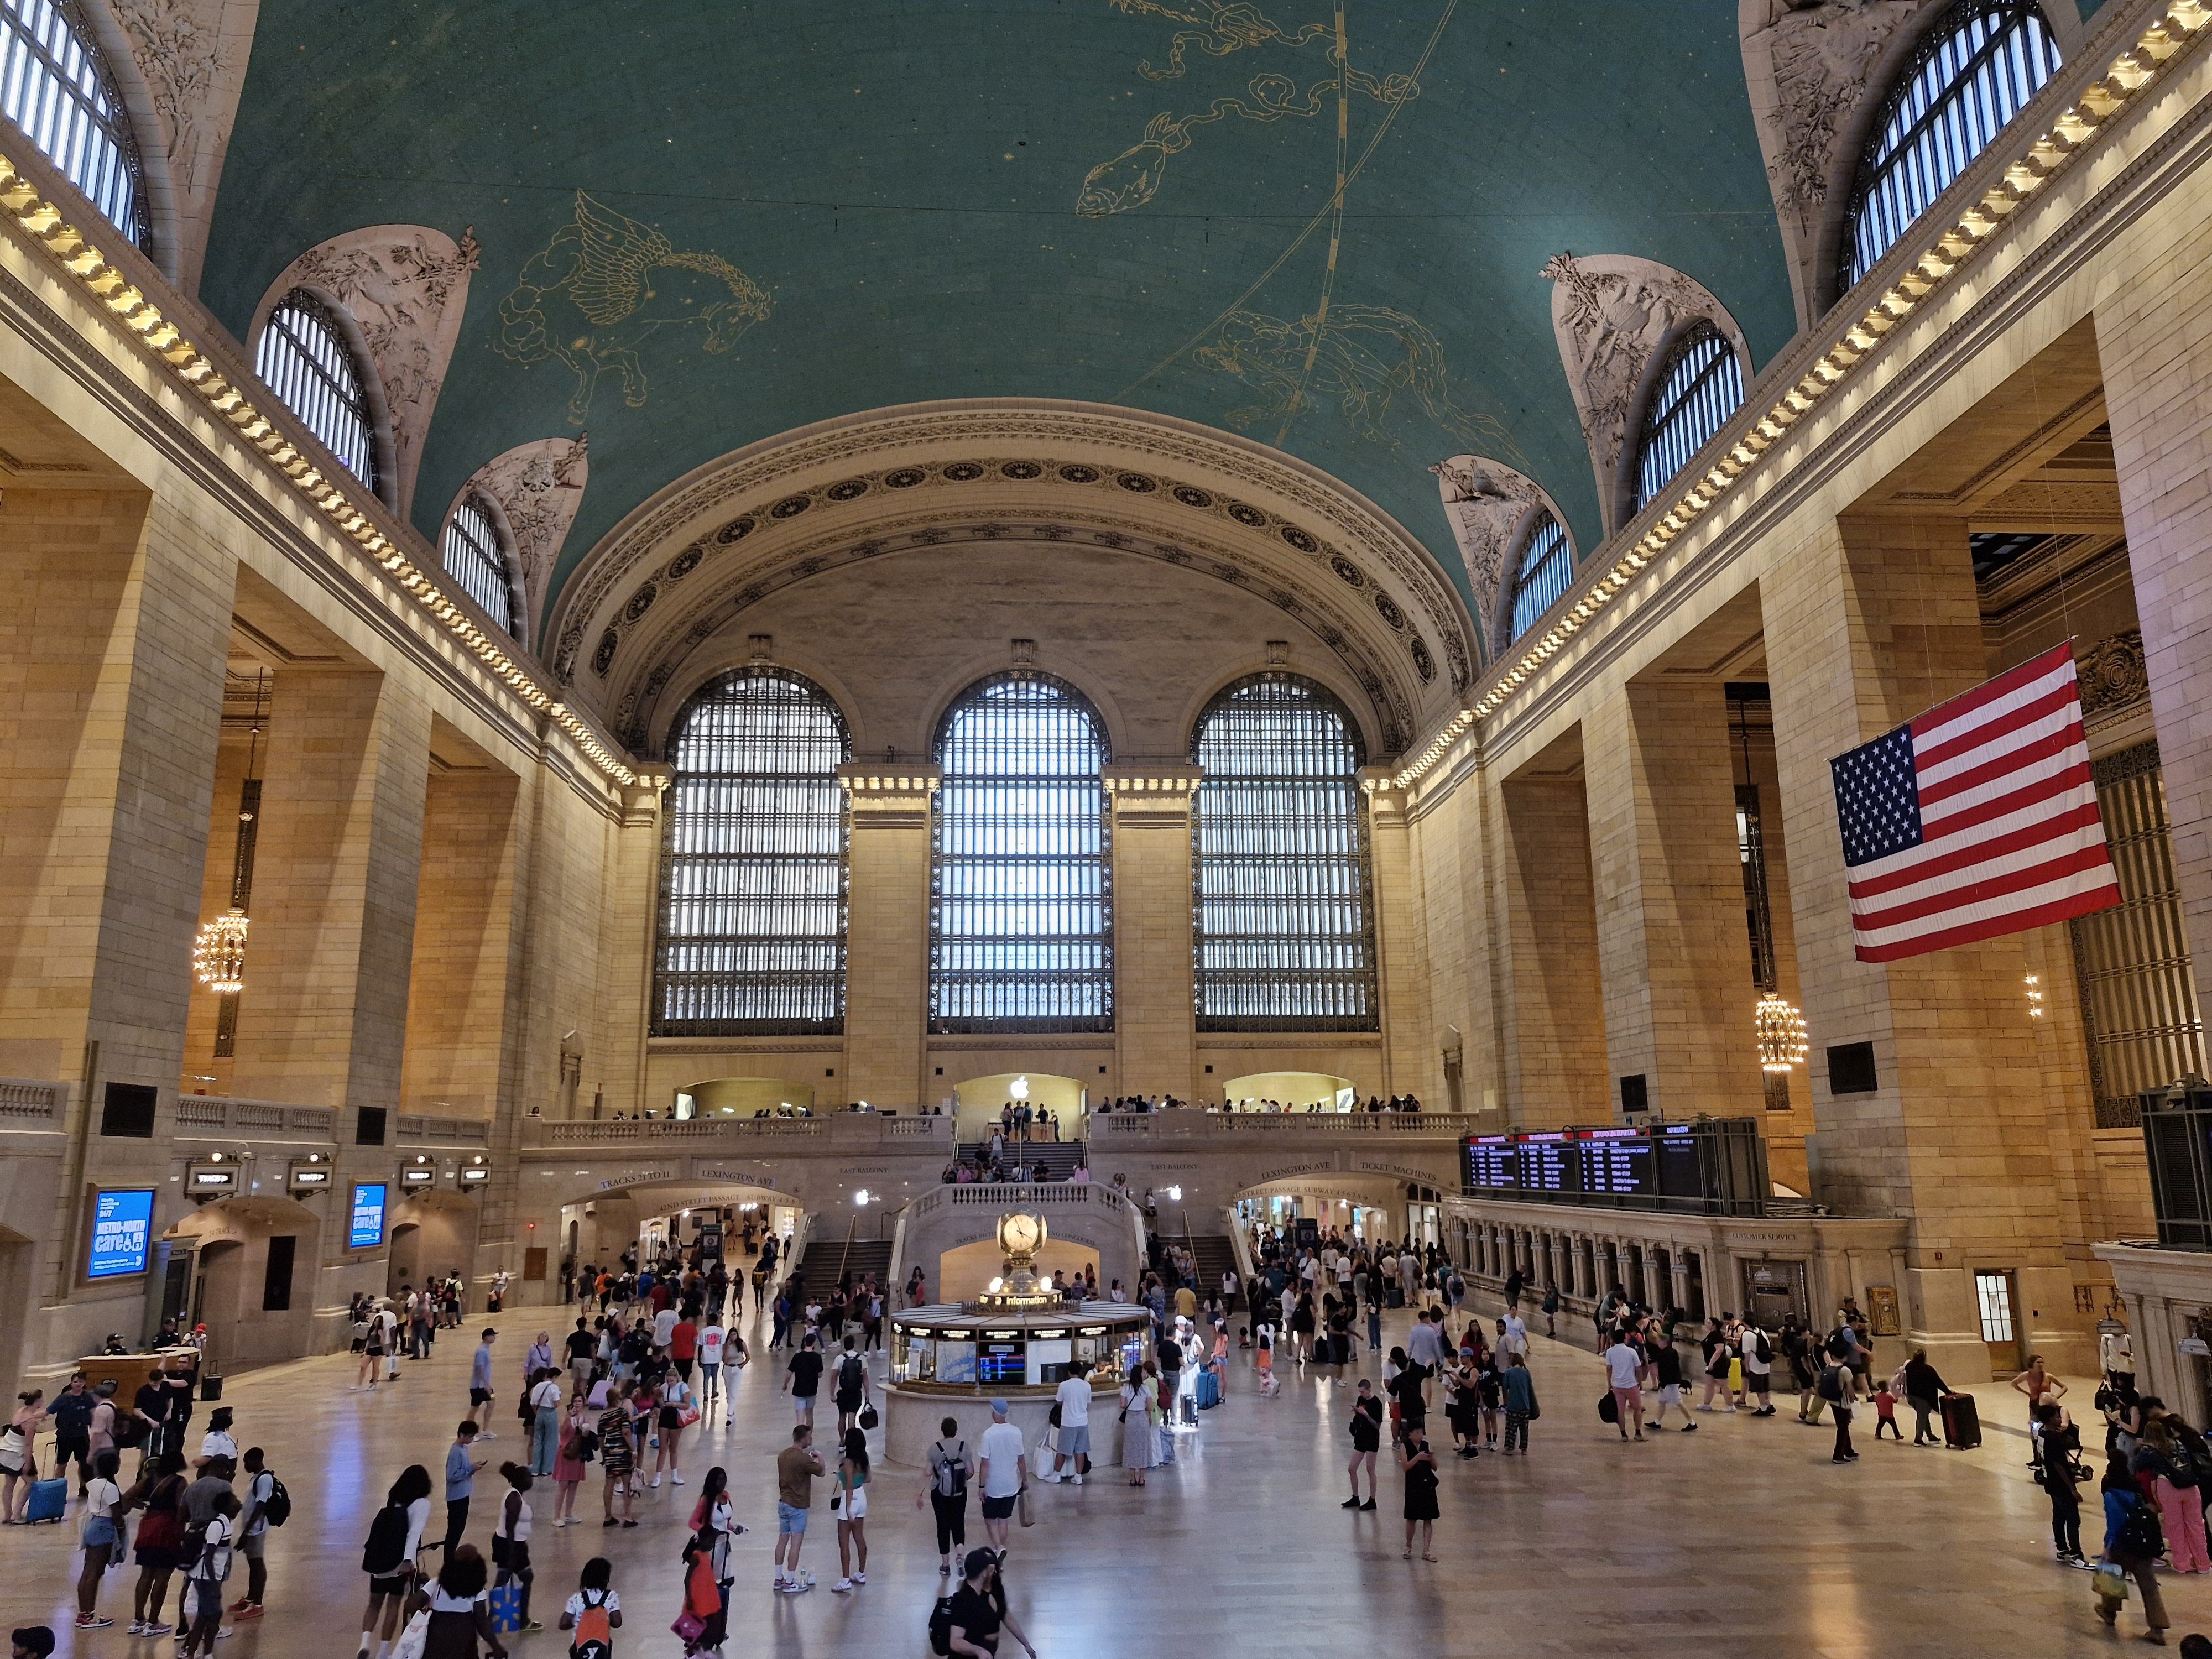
[706,223]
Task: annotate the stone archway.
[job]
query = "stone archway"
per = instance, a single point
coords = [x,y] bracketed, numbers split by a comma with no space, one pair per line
[254,1283]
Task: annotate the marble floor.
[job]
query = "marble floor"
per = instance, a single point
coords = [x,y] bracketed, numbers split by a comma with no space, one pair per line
[1740,1539]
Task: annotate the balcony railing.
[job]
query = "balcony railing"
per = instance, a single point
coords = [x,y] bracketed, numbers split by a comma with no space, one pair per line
[28,1103]
[842,1129]
[254,1119]
[1274,1125]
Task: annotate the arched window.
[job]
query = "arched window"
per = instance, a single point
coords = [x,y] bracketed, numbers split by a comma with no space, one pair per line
[476,556]
[306,360]
[1547,565]
[753,905]
[1284,938]
[1021,936]
[1980,66]
[1700,386]
[54,84]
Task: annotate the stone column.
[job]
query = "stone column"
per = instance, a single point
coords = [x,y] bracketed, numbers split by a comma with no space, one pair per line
[1680,1264]
[612,1074]
[1411,1062]
[1155,1027]
[1868,624]
[1668,879]
[1553,1023]
[887,932]
[457,1011]
[1559,1274]
[323,1020]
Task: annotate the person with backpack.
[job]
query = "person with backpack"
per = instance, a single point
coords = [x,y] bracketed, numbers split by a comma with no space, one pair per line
[267,1505]
[2163,1467]
[593,1613]
[969,1621]
[395,1537]
[946,1490]
[2132,1546]
[852,1386]
[1839,1387]
[459,1605]
[1757,1370]
[160,1492]
[207,1557]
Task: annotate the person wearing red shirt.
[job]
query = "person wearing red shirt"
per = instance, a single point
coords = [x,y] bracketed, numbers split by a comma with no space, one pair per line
[683,1343]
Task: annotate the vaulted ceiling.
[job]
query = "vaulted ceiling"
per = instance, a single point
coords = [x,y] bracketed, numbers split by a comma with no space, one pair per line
[703,224]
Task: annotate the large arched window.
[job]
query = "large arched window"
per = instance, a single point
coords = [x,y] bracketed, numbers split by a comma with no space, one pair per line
[1284,938]
[1699,387]
[1546,567]
[55,85]
[306,360]
[1978,67]
[1020,935]
[476,556]
[752,908]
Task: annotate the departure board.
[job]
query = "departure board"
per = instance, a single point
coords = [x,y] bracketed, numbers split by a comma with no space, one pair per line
[1676,1153]
[1492,1163]
[1713,1166]
[1548,1164]
[1616,1163]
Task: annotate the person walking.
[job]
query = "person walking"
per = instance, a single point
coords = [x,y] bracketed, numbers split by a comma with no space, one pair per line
[712,1336]
[2132,1548]
[593,1613]
[1551,1309]
[2057,1470]
[946,1488]
[1667,1367]
[852,1385]
[19,1459]
[736,1356]
[1419,1464]
[460,1604]
[1623,1368]
[1757,1350]
[395,1536]
[979,1611]
[1002,1470]
[582,1348]
[1924,1390]
[1072,1398]
[802,1378]
[850,1501]
[1366,1441]
[797,1467]
[480,1380]
[1839,1387]
[1139,1433]
[1519,1386]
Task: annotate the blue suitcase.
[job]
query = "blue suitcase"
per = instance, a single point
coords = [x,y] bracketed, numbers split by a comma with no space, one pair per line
[1209,1390]
[48,1500]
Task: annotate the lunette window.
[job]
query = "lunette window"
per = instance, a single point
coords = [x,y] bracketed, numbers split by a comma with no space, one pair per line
[1700,388]
[1546,566]
[475,558]
[305,359]
[55,85]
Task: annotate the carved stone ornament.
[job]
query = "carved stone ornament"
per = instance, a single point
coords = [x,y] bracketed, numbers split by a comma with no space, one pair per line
[1489,504]
[1810,66]
[2111,674]
[191,55]
[1611,314]
[407,286]
[538,486]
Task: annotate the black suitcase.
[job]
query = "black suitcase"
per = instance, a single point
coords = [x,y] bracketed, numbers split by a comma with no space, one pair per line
[1962,1423]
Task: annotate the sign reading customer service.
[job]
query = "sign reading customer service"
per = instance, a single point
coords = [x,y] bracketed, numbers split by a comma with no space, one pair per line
[367,1230]
[122,1225]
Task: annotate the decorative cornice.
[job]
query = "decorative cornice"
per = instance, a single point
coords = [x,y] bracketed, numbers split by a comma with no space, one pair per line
[207,376]
[2024,167]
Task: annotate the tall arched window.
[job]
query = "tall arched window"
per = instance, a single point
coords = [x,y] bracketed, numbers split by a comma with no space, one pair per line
[476,555]
[1546,566]
[752,906]
[306,360]
[1021,933]
[1978,67]
[1284,938]
[1700,386]
[55,85]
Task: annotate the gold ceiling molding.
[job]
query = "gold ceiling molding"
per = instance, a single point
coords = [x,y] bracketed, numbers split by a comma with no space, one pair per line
[689,610]
[2033,161]
[1186,472]
[269,428]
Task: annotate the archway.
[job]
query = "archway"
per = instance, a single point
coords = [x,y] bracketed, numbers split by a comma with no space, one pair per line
[744,1096]
[965,1271]
[1365,1209]
[255,1286]
[432,1233]
[979,1099]
[1296,1091]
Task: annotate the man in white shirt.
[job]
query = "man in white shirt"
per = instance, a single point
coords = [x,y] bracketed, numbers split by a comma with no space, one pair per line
[1424,1346]
[1002,1466]
[1074,1440]
[1515,1339]
[664,1327]
[390,1321]
[1623,1367]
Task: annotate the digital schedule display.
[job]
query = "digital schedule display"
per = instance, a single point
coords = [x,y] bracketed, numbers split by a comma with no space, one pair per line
[1713,1164]
[122,1233]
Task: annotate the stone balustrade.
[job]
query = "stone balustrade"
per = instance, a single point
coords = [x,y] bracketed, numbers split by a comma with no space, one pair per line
[1247,1127]
[254,1120]
[28,1103]
[838,1129]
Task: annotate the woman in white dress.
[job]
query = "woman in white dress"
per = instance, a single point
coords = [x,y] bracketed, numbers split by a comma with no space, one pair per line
[1140,1417]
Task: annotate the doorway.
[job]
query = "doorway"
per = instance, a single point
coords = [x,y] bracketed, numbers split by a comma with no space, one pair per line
[1996,1299]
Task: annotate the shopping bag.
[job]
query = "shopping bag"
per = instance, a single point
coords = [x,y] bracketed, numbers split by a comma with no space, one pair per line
[687,1415]
[414,1638]
[1022,1507]
[507,1607]
[688,1626]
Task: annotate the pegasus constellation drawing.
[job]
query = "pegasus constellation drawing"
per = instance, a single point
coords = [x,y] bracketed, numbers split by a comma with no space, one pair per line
[603,285]
[1133,178]
[1366,356]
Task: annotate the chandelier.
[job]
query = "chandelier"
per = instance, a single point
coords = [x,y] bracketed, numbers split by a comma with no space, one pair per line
[219,954]
[1781,1030]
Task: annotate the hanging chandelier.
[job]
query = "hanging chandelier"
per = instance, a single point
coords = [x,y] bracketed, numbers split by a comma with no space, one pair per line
[1781,1030]
[219,954]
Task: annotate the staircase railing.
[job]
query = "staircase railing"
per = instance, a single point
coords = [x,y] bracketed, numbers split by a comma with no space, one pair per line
[845,1254]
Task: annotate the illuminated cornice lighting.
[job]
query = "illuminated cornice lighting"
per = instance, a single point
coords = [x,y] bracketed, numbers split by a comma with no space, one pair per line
[2032,168]
[130,308]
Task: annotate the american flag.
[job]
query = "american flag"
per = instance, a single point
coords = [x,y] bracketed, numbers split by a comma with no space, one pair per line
[1976,819]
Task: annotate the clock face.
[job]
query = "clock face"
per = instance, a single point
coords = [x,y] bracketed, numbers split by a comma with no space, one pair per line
[1020,1235]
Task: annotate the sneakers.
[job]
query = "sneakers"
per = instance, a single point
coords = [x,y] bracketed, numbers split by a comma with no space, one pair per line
[677,1478]
[859,1579]
[91,1621]
[841,1586]
[1689,1428]
[1369,1505]
[1076,1479]
[1050,1477]
[240,1605]
[248,1610]
[138,1628]
[654,1483]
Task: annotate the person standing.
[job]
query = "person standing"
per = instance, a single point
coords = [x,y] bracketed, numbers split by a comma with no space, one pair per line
[850,1500]
[204,1580]
[2056,1460]
[1623,1366]
[460,1483]
[1139,1438]
[979,1611]
[1551,1309]
[480,1380]
[802,1378]
[1419,1464]
[946,1489]
[852,1385]
[253,1525]
[735,1357]
[1366,1441]
[617,1458]
[72,1413]
[1757,1370]
[797,1466]
[100,1533]
[568,1462]
[545,1398]
[1072,1396]
[581,1348]
[712,1336]
[1002,1470]
[594,1612]
[2172,1486]
[1839,1387]
[160,1491]
[459,1607]
[1667,1364]
[1519,1386]
[388,1558]
[510,1539]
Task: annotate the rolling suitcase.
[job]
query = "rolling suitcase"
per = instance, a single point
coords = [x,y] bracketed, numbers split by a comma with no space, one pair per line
[1209,1390]
[48,1500]
[1962,1423]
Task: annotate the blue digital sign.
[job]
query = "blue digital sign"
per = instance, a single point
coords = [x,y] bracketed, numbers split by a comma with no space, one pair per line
[122,1229]
[366,1231]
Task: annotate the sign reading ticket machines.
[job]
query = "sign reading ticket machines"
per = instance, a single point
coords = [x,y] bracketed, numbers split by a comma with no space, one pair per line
[121,1225]
[366,1231]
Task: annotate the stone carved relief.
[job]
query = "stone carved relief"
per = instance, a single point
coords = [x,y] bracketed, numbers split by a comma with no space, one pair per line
[538,486]
[407,286]
[1810,66]
[191,55]
[1488,505]
[1611,314]
[2111,673]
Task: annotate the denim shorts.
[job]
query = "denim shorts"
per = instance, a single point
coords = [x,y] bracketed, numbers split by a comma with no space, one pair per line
[99,1531]
[789,1518]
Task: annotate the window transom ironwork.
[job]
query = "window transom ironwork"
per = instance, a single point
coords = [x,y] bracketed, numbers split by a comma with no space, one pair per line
[305,359]
[55,85]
